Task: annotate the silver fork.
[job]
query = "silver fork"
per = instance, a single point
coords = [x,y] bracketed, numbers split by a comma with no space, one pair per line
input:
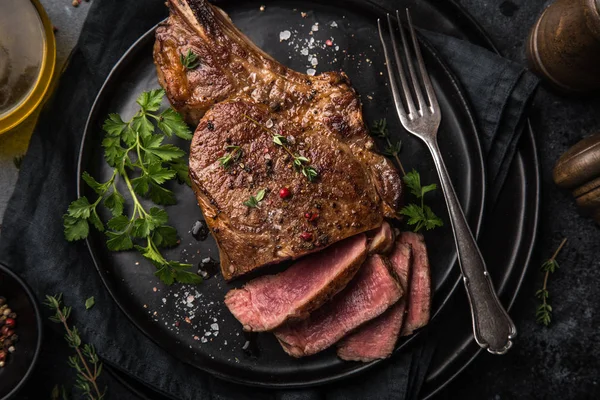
[492,327]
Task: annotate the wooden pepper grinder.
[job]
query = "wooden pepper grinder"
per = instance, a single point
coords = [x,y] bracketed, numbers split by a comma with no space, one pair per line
[578,169]
[564,45]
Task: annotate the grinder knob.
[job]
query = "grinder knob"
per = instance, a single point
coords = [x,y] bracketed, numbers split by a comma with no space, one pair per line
[578,170]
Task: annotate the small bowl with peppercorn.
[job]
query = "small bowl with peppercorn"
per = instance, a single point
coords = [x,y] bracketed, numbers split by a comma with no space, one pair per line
[20,333]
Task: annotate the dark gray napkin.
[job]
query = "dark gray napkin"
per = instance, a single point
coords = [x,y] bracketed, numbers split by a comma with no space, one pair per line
[32,242]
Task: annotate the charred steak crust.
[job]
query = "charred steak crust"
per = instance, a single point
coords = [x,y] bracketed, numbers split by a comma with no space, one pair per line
[232,67]
[343,196]
[267,302]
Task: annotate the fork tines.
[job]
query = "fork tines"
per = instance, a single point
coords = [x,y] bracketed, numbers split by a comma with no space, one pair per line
[405,104]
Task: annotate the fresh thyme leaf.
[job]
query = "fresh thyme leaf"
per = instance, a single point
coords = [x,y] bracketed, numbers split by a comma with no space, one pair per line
[260,195]
[393,149]
[254,200]
[309,172]
[419,215]
[380,128]
[233,156]
[279,140]
[89,303]
[136,147]
[190,60]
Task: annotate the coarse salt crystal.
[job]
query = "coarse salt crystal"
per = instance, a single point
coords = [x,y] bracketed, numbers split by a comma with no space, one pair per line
[315,27]
[207,334]
[333,24]
[269,123]
[304,51]
[310,72]
[314,62]
[190,299]
[285,35]
[214,327]
[337,48]
[204,340]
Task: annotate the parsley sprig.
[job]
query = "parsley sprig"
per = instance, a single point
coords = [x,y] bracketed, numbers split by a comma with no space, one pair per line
[419,215]
[138,156]
[301,163]
[253,201]
[380,130]
[85,360]
[544,311]
[232,156]
[189,60]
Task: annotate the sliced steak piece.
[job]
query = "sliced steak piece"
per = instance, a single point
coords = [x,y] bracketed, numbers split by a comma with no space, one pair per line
[377,338]
[340,203]
[381,239]
[267,302]
[419,294]
[372,291]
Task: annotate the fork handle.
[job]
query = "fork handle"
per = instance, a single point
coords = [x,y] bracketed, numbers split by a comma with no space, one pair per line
[492,327]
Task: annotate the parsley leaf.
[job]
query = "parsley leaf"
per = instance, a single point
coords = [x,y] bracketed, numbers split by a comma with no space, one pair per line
[89,303]
[421,216]
[136,147]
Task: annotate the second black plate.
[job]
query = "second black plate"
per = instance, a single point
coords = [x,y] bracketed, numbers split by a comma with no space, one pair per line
[192,322]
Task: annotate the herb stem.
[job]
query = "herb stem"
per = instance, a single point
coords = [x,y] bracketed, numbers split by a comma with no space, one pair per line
[397,158]
[89,377]
[560,246]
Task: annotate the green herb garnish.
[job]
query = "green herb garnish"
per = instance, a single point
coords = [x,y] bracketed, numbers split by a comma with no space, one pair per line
[380,130]
[230,157]
[189,60]
[544,311]
[134,148]
[253,201]
[301,163]
[85,361]
[421,216]
[89,302]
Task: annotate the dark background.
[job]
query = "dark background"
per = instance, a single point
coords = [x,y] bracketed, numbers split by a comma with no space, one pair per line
[561,361]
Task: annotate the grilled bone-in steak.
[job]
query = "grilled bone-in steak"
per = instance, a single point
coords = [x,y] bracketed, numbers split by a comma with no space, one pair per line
[265,303]
[372,291]
[340,203]
[377,338]
[230,66]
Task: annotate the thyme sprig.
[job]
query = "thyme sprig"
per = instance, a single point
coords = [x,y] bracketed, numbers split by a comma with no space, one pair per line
[301,163]
[544,310]
[231,156]
[380,130]
[85,360]
[253,201]
[189,60]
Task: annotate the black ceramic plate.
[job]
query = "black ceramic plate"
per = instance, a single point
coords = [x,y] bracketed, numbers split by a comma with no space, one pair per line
[160,311]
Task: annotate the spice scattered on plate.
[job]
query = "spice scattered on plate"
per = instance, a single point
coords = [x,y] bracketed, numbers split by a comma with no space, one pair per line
[284,35]
[8,337]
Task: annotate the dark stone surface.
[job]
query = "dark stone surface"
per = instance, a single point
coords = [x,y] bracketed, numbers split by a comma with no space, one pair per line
[561,361]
